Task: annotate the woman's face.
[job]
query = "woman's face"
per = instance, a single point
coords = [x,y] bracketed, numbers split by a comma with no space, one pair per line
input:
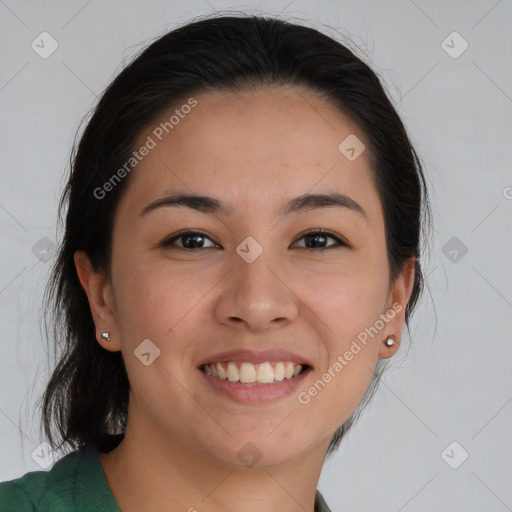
[252,280]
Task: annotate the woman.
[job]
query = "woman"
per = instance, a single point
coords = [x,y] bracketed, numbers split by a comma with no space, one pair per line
[241,253]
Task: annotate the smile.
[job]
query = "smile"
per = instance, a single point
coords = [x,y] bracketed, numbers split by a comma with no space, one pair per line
[245,382]
[248,373]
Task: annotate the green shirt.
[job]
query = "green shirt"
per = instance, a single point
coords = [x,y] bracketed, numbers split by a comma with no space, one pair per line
[75,483]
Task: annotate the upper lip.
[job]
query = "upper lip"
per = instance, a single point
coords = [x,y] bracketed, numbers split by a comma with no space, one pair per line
[251,356]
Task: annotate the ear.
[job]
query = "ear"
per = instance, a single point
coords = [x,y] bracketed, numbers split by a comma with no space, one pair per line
[396,302]
[101,300]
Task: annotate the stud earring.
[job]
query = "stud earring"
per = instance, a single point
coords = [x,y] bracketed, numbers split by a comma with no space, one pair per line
[389,341]
[106,335]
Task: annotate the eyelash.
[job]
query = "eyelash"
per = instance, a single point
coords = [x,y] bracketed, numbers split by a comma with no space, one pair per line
[340,243]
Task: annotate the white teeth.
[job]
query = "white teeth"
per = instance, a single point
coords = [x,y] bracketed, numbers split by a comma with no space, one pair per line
[279,371]
[265,373]
[233,375]
[221,372]
[289,371]
[249,373]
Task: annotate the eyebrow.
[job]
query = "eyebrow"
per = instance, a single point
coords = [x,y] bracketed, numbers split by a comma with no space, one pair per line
[206,204]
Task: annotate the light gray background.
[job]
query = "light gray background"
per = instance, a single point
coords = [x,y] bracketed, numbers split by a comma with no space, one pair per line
[454,383]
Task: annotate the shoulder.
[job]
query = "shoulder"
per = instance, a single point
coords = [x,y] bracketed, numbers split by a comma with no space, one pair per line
[13,497]
[44,490]
[320,504]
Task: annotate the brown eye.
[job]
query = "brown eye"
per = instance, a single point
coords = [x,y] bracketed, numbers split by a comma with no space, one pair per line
[189,240]
[194,240]
[317,239]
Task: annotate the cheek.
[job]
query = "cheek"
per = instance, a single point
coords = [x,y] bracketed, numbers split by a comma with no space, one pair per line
[351,353]
[342,386]
[346,302]
[157,302]
[153,298]
[348,307]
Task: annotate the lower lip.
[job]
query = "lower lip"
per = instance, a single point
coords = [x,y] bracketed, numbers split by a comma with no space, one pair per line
[246,393]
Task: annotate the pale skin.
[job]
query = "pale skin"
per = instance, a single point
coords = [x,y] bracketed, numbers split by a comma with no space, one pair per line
[253,151]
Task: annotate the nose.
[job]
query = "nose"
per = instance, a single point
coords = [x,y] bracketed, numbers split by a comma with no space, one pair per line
[256,296]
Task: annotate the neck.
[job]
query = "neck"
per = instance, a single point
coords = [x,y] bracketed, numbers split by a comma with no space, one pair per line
[155,472]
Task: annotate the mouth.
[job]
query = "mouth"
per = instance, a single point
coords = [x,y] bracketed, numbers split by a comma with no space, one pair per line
[254,374]
[254,377]
[265,382]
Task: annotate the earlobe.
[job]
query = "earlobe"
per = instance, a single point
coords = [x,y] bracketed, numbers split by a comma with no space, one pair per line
[100,297]
[389,346]
[399,295]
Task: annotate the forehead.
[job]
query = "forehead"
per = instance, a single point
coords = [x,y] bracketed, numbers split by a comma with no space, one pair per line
[254,148]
